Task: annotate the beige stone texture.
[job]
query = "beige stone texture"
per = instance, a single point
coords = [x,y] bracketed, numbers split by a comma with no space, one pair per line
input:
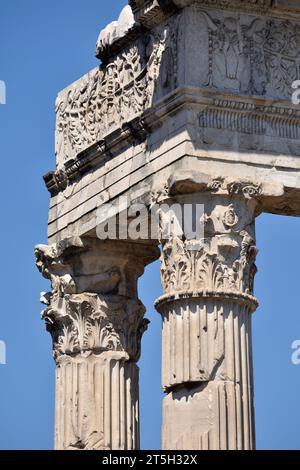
[191,104]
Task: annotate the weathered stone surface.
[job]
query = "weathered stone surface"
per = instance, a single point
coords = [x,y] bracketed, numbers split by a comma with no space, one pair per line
[191,104]
[206,310]
[116,30]
[205,83]
[96,322]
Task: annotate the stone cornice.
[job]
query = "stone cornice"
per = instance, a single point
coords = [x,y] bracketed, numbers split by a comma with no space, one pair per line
[151,15]
[134,81]
[133,34]
[134,132]
[144,10]
[239,113]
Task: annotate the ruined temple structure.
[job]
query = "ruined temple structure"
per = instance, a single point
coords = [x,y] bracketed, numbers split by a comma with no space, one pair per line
[191,103]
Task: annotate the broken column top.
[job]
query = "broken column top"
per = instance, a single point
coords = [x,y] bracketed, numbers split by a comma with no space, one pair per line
[117,29]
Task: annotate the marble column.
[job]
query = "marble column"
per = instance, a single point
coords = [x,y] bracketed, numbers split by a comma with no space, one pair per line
[206,310]
[96,321]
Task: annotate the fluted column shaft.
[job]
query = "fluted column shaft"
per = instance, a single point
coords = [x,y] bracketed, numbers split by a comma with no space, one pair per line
[97,403]
[96,321]
[207,369]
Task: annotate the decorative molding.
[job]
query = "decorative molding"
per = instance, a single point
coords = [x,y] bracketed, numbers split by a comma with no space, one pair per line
[224,260]
[92,324]
[250,123]
[133,132]
[187,182]
[227,297]
[107,98]
[258,57]
[97,312]
[186,266]
[238,114]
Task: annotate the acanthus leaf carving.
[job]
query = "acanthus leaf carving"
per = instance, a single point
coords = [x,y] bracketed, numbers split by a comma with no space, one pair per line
[89,323]
[224,261]
[91,314]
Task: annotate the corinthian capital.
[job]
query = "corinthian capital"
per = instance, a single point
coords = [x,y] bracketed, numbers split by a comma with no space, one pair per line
[88,324]
[219,261]
[93,306]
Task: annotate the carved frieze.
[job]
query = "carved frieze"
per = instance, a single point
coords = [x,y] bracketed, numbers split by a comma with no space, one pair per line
[139,4]
[261,5]
[107,98]
[253,56]
[241,55]
[251,119]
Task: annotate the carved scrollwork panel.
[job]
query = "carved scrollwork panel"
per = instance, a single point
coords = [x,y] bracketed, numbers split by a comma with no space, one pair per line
[256,57]
[106,98]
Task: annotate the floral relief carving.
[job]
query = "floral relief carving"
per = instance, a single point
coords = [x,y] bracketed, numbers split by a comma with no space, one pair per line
[259,57]
[186,269]
[109,97]
[230,219]
[234,187]
[222,261]
[88,322]
[176,265]
[280,42]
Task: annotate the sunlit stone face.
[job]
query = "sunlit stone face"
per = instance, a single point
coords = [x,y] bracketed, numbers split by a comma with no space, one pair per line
[192,104]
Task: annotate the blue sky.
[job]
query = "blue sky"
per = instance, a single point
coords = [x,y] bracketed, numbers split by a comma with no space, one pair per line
[44,46]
